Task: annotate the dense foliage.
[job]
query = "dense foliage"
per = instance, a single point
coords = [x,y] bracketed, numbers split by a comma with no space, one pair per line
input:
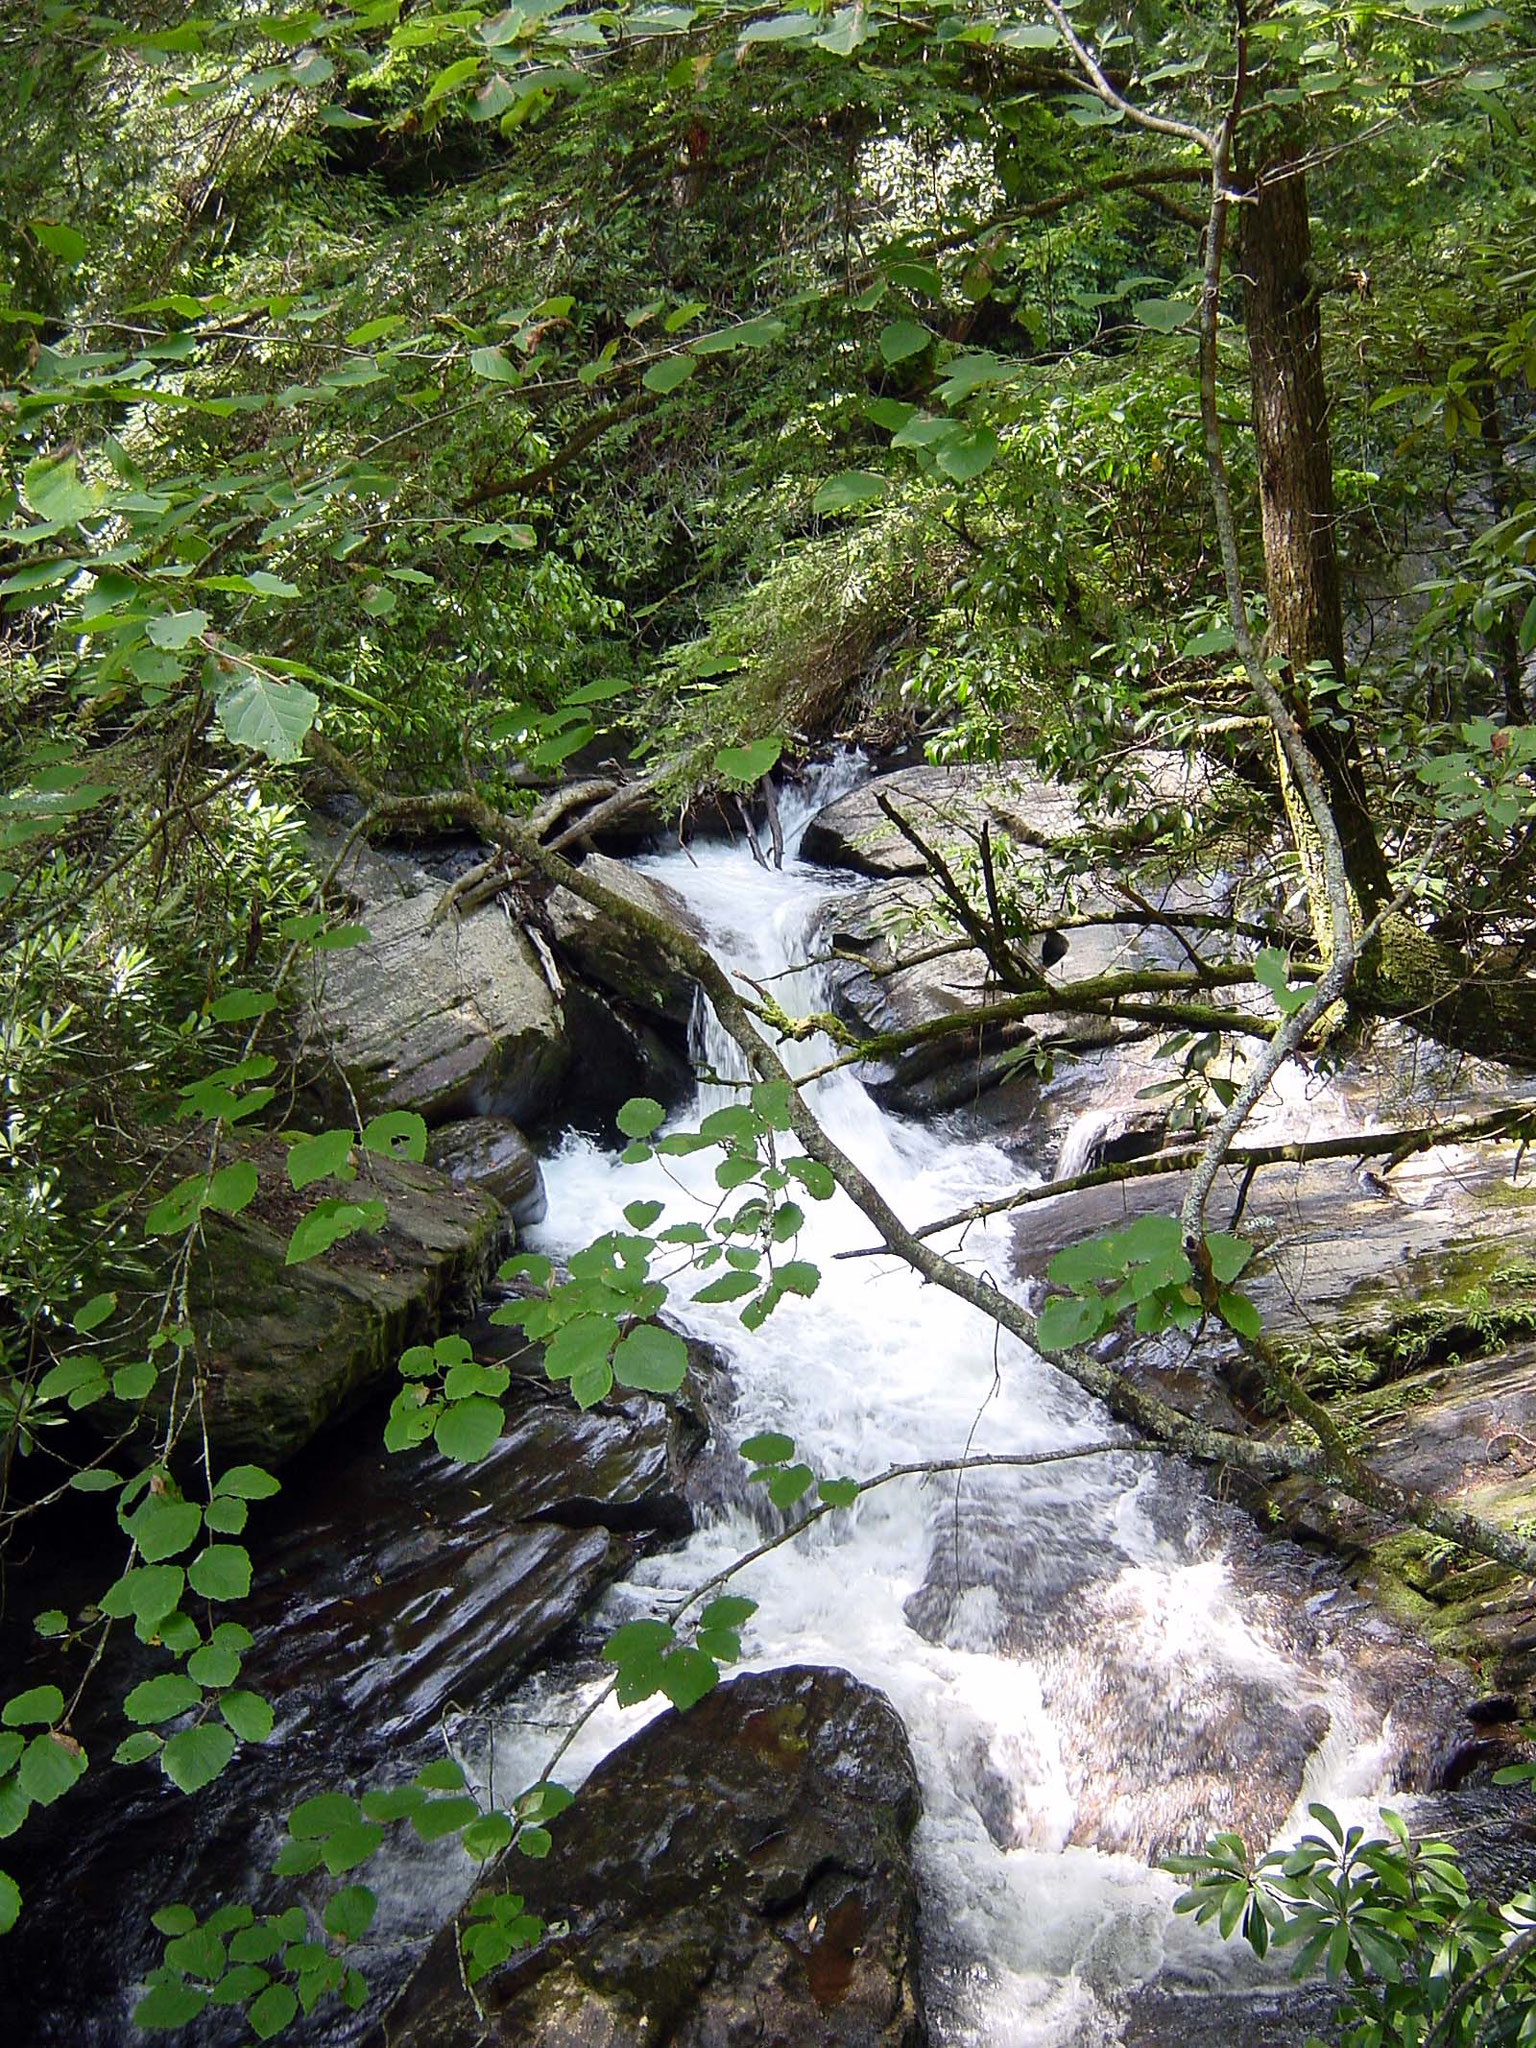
[449,399]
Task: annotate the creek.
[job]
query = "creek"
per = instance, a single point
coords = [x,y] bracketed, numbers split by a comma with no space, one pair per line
[1097,1662]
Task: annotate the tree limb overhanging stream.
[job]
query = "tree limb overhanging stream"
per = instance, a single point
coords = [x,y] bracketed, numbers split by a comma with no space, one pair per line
[1155,1418]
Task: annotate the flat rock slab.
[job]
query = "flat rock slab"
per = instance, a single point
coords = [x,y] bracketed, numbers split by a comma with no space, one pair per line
[894,969]
[737,1875]
[625,962]
[855,833]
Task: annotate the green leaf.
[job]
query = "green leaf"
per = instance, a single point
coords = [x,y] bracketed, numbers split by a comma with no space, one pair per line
[248,1482]
[93,1313]
[162,1698]
[349,1914]
[169,2004]
[750,763]
[266,714]
[67,243]
[312,1819]
[397,1134]
[729,1611]
[1239,1314]
[221,1572]
[1064,1323]
[787,1483]
[965,455]
[637,1118]
[487,1836]
[847,490]
[444,1817]
[40,1707]
[137,1748]
[10,1902]
[839,1493]
[493,366]
[651,1360]
[768,1447]
[466,1430]
[162,1527]
[901,339]
[668,374]
[50,1764]
[686,1675]
[248,1714]
[196,1756]
[1228,1255]
[327,1224]
[273,2010]
[320,1158]
[1163,316]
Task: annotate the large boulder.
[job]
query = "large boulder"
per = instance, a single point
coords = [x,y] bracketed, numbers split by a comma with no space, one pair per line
[737,1875]
[393,1594]
[444,1015]
[895,966]
[285,1349]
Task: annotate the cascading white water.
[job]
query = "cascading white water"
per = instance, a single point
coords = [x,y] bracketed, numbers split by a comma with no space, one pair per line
[1070,1648]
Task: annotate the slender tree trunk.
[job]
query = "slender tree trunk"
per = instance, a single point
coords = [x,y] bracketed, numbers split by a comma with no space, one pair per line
[1295,461]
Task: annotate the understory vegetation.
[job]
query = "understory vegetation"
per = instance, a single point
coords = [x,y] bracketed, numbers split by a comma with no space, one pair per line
[556,421]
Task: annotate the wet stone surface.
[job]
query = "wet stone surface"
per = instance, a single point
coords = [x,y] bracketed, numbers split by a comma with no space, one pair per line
[739,1875]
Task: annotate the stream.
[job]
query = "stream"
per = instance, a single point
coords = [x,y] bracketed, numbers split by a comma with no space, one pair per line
[1094,1663]
[1097,1662]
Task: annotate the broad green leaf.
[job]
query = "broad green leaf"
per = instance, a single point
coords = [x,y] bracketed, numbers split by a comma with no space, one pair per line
[162,1698]
[466,1430]
[652,1360]
[668,374]
[901,339]
[10,1902]
[748,764]
[1163,316]
[221,1572]
[637,1118]
[50,1764]
[266,714]
[849,489]
[248,1714]
[768,1447]
[320,1158]
[38,1708]
[349,1914]
[398,1134]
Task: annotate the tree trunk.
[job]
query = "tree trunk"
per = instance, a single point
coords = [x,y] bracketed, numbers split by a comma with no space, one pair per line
[1295,462]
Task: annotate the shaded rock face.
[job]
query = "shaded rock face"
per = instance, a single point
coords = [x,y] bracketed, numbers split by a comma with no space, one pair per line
[393,1596]
[489,1153]
[290,1348]
[619,960]
[736,1875]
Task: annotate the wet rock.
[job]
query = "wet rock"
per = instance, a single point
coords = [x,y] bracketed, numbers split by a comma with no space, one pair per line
[490,1153]
[626,963]
[289,1348]
[394,1596]
[739,1874]
[939,803]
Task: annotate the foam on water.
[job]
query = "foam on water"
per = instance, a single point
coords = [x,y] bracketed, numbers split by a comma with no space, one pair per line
[1030,1935]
